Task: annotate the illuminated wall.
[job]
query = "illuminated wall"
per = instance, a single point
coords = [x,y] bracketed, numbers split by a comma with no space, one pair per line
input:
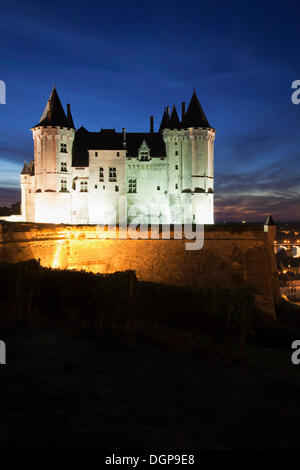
[238,257]
[173,189]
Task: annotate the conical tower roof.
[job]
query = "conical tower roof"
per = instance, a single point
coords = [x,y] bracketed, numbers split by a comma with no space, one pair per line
[195,116]
[69,117]
[174,122]
[269,220]
[164,121]
[54,114]
[25,170]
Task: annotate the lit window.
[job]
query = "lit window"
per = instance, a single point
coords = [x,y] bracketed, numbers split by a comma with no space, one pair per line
[83,186]
[63,185]
[144,156]
[132,185]
[101,174]
[63,148]
[112,174]
[63,166]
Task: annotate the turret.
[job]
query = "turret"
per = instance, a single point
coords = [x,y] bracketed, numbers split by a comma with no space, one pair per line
[53,139]
[190,153]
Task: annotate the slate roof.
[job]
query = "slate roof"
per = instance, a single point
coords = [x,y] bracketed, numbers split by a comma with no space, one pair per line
[54,114]
[154,140]
[109,139]
[269,220]
[164,121]
[28,168]
[174,122]
[194,117]
[70,117]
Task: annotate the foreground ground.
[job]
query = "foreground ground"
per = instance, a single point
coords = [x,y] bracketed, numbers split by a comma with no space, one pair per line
[68,392]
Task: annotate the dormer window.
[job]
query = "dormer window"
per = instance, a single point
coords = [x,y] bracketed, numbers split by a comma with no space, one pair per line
[144,152]
[63,148]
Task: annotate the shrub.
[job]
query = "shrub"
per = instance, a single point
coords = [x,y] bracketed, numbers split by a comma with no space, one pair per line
[95,302]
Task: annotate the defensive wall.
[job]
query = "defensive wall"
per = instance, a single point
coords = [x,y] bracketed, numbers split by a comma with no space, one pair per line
[232,255]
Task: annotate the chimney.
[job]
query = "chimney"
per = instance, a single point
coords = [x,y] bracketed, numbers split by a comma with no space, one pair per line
[168,111]
[182,110]
[124,136]
[151,124]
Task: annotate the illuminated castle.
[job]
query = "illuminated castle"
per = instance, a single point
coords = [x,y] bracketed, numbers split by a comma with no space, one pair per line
[108,177]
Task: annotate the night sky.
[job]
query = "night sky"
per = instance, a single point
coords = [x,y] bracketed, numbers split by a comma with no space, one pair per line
[117,63]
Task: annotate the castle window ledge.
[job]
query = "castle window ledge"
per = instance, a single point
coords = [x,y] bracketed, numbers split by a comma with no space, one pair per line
[64,191]
[47,191]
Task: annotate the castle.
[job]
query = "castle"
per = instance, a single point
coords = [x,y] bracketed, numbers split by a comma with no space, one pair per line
[109,177]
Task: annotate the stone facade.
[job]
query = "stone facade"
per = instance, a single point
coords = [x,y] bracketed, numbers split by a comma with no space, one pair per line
[82,177]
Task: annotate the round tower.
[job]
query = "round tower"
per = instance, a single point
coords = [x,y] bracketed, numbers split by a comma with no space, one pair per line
[53,140]
[190,153]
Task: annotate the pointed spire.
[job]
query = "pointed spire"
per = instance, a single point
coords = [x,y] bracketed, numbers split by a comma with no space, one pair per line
[195,117]
[25,169]
[82,129]
[69,116]
[30,167]
[269,221]
[54,114]
[174,122]
[164,121]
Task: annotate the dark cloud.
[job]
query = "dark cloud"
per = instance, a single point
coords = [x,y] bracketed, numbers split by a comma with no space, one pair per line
[274,188]
[9,196]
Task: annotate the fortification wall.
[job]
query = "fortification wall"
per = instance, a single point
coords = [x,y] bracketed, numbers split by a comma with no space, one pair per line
[230,257]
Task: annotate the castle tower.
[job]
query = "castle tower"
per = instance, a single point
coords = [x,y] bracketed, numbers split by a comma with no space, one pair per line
[27,188]
[190,153]
[53,140]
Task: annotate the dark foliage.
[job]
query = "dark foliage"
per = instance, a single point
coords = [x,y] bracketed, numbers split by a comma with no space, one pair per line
[33,295]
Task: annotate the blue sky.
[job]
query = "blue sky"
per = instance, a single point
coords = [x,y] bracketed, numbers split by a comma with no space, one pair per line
[117,63]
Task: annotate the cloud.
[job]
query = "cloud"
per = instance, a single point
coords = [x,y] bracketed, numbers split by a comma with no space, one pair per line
[273,188]
[9,196]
